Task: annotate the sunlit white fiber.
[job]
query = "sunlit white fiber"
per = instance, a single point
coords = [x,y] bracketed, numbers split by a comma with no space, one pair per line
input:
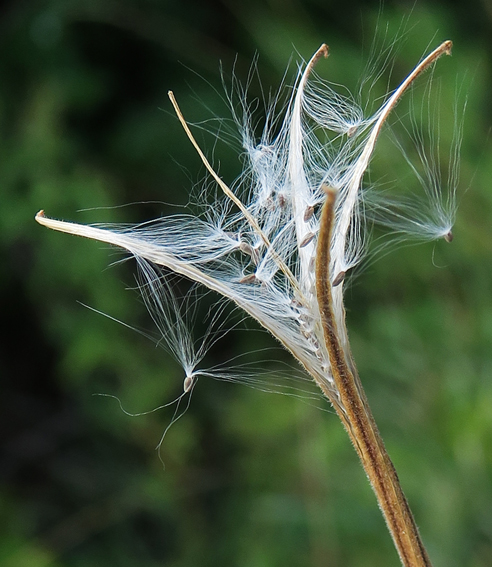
[256,245]
[430,214]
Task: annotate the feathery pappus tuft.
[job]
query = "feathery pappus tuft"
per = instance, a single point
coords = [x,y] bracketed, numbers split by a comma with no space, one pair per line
[257,245]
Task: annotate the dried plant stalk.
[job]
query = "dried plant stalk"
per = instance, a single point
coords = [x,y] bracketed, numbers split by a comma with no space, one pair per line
[357,417]
[266,247]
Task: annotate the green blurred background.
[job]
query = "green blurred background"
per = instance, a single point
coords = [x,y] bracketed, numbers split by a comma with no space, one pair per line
[251,479]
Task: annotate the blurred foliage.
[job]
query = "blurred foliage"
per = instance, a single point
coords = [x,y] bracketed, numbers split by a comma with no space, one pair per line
[250,479]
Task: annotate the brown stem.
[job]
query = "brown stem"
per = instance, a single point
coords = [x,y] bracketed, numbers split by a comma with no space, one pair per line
[356,414]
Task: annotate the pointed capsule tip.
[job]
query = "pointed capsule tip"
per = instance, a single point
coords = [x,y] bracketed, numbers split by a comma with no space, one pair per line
[330,192]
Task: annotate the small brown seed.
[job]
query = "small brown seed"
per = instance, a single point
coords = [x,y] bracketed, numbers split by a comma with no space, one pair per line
[246,248]
[253,252]
[187,384]
[339,279]
[306,240]
[249,279]
[308,213]
[351,130]
[448,237]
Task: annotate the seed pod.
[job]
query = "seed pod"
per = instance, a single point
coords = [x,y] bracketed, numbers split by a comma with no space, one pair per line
[448,237]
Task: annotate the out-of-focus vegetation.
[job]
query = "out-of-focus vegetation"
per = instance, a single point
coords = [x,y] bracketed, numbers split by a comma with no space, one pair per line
[251,479]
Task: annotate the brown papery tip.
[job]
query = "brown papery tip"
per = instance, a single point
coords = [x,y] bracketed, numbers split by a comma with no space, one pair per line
[331,192]
[324,50]
[40,215]
[447,47]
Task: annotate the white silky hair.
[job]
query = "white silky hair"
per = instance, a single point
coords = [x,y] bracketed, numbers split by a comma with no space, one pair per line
[256,244]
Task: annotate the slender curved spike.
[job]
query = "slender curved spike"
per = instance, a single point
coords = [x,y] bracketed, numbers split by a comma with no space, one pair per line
[362,163]
[227,191]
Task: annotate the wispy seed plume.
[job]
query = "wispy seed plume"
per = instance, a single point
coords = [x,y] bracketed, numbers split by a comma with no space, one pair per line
[280,244]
